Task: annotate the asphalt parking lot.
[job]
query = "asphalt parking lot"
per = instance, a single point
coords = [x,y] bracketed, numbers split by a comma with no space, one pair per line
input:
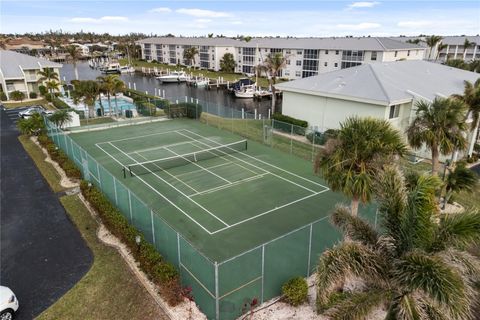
[42,253]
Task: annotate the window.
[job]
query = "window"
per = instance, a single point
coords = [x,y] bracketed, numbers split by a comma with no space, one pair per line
[287,73]
[299,62]
[350,64]
[408,53]
[396,53]
[350,55]
[394,111]
[288,52]
[374,56]
[325,64]
[336,65]
[326,51]
[298,74]
[337,52]
[288,62]
[299,52]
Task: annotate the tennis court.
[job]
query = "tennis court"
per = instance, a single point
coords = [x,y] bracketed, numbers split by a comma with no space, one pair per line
[237,217]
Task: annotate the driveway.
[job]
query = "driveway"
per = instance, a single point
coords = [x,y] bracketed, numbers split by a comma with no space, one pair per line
[42,253]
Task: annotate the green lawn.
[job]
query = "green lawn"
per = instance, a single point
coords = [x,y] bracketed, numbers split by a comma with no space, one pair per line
[109,290]
[47,170]
[13,105]
[232,77]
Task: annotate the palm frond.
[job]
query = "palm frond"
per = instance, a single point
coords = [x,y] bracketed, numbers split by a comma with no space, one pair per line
[460,230]
[354,227]
[348,259]
[405,307]
[358,305]
[467,264]
[436,279]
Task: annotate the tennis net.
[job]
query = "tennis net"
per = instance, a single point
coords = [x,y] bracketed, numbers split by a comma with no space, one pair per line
[150,166]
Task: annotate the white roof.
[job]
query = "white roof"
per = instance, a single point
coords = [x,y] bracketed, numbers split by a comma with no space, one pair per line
[334,43]
[385,83]
[12,63]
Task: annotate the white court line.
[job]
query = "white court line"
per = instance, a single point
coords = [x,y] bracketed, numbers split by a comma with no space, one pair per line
[268,211]
[226,186]
[173,187]
[136,137]
[160,194]
[156,165]
[273,174]
[196,164]
[194,171]
[259,160]
[161,147]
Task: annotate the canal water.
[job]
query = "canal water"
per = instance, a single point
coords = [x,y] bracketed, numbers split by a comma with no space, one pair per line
[174,91]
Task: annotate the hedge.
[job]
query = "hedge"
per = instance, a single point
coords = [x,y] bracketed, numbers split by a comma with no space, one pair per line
[162,273]
[287,119]
[139,96]
[3,96]
[60,104]
[32,95]
[60,157]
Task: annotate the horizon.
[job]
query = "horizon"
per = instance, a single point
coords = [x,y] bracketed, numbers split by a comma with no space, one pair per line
[306,19]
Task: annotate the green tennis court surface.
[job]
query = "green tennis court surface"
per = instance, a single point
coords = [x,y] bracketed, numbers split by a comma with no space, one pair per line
[225,195]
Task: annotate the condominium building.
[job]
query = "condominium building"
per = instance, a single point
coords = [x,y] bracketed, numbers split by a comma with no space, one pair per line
[19,72]
[305,56]
[449,47]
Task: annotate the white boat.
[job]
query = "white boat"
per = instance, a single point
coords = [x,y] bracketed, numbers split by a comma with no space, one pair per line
[127,69]
[111,68]
[246,92]
[201,83]
[174,76]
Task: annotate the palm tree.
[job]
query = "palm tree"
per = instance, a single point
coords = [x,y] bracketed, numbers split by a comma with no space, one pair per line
[87,92]
[74,55]
[52,86]
[460,179]
[47,74]
[439,126]
[471,98]
[412,265]
[60,117]
[441,46]
[118,86]
[466,44]
[432,42]
[272,66]
[107,85]
[190,54]
[349,161]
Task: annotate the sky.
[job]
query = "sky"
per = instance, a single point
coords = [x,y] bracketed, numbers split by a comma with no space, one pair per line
[247,17]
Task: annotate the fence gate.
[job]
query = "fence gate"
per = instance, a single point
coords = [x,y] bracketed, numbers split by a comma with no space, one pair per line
[267,133]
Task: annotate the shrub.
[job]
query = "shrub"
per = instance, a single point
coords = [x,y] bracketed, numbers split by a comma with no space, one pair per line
[295,291]
[33,95]
[43,90]
[3,96]
[151,262]
[59,104]
[34,125]
[17,95]
[319,138]
[146,108]
[287,119]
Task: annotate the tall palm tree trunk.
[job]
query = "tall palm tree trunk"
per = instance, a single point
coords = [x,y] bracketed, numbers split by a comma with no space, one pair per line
[109,105]
[354,206]
[274,97]
[75,69]
[473,139]
[435,160]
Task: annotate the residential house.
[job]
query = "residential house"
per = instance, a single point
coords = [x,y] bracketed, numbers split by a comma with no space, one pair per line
[386,90]
[20,72]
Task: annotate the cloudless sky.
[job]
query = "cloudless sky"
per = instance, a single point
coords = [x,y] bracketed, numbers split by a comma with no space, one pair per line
[255,18]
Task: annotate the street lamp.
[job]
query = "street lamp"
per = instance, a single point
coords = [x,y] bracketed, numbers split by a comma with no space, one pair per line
[137,241]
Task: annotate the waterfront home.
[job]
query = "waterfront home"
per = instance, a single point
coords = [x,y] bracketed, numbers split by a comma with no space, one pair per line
[386,90]
[305,56]
[19,72]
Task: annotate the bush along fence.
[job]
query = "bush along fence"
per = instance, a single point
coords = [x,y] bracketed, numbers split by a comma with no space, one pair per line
[159,271]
